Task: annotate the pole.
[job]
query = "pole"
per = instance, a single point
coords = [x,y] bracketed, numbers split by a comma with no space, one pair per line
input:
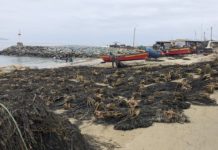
[211,33]
[204,36]
[134,37]
[201,32]
[195,38]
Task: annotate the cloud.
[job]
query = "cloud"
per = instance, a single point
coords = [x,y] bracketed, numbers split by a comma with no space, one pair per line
[97,22]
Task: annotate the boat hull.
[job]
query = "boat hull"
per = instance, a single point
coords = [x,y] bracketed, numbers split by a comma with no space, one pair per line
[182,51]
[141,56]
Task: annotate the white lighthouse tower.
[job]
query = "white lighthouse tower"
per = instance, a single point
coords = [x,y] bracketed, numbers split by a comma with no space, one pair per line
[19,43]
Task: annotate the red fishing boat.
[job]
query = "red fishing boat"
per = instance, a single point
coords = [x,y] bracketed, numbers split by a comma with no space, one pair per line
[180,51]
[140,56]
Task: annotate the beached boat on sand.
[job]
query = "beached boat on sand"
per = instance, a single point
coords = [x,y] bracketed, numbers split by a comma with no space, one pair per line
[179,51]
[140,56]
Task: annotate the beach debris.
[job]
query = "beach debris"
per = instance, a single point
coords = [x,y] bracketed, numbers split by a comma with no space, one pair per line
[207,69]
[210,88]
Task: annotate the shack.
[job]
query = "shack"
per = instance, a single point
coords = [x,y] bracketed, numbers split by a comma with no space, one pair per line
[180,43]
[121,46]
[161,45]
[188,43]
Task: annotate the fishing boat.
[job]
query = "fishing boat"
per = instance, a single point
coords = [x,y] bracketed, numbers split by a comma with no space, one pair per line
[180,51]
[140,56]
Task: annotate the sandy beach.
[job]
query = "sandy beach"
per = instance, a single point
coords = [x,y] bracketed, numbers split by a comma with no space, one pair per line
[109,75]
[200,134]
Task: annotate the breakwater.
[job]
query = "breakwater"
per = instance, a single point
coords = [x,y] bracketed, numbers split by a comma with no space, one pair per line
[62,51]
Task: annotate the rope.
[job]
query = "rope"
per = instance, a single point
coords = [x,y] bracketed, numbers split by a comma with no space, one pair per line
[14,121]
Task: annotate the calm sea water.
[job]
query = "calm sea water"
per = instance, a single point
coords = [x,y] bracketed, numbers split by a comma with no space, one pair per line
[33,62]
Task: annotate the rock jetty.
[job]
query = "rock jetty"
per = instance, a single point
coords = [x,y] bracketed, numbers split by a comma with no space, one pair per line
[62,51]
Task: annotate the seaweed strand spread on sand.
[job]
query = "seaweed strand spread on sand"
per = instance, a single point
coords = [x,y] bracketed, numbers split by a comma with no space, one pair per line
[41,129]
[128,98]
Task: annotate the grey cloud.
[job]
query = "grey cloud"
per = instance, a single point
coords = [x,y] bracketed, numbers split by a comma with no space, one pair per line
[99,22]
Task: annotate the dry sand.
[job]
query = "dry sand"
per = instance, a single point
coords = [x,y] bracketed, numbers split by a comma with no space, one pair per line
[11,68]
[200,134]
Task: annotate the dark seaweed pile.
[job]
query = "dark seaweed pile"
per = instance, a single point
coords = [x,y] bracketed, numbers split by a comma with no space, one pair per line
[41,129]
[129,98]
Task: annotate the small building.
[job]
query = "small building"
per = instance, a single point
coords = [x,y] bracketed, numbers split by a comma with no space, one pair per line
[162,45]
[180,43]
[187,43]
[122,46]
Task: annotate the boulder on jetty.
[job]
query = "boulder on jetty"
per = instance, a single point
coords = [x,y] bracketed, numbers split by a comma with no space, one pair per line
[62,51]
[37,51]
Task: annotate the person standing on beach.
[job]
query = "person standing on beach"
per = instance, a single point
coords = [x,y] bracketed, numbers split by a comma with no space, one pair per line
[113,59]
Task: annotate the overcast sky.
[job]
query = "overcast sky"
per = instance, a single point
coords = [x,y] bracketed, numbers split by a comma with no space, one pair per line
[101,22]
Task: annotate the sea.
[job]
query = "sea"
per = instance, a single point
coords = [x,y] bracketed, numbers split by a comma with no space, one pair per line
[32,62]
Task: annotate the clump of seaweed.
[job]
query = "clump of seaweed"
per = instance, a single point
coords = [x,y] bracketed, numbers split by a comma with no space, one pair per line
[40,128]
